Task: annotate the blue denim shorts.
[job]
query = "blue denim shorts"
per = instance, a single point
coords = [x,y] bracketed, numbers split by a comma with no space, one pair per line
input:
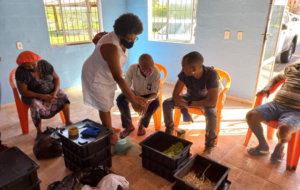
[271,111]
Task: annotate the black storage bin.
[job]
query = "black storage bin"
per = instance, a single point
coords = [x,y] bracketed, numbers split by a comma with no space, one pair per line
[91,145]
[107,163]
[218,176]
[17,170]
[35,186]
[160,170]
[160,158]
[93,160]
[226,186]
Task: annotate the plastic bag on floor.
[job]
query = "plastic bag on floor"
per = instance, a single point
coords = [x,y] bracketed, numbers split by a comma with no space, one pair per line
[109,182]
[112,181]
[47,144]
[126,146]
[91,176]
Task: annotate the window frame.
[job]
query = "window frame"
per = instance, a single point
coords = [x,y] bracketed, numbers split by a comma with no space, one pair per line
[100,20]
[150,35]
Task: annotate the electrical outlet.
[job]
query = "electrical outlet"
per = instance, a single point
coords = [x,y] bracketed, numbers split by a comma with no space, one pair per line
[226,35]
[240,36]
[19,45]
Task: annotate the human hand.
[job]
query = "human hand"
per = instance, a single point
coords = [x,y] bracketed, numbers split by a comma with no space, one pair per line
[144,110]
[264,91]
[138,103]
[54,94]
[181,103]
[48,98]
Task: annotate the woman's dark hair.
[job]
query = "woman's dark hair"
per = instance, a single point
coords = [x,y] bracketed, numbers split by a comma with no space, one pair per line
[128,24]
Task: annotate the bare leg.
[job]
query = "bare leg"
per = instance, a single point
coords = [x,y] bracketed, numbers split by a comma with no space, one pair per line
[39,129]
[106,118]
[66,112]
[284,135]
[253,119]
[106,121]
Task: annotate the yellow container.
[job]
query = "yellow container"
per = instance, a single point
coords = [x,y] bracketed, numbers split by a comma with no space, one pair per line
[73,131]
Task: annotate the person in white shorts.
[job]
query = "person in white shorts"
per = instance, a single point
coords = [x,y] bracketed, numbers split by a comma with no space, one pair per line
[102,71]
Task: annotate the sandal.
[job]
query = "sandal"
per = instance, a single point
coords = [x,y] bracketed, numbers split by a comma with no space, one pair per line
[252,151]
[277,158]
[125,133]
[141,131]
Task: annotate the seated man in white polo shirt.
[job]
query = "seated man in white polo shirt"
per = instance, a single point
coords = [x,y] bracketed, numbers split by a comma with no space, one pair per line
[144,77]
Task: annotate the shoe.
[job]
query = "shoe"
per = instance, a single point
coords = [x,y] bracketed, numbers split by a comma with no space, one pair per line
[208,152]
[170,130]
[254,152]
[141,130]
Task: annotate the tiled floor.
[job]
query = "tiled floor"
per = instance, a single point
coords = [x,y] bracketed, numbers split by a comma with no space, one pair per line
[247,172]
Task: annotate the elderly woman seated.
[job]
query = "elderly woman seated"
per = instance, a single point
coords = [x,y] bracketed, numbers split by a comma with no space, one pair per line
[39,86]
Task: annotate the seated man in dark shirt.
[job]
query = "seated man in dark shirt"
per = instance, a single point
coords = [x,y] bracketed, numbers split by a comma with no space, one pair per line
[202,92]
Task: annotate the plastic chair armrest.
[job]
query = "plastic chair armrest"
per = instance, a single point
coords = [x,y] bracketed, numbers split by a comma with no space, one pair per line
[260,98]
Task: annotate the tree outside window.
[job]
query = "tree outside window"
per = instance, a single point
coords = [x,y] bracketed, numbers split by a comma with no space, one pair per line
[71,21]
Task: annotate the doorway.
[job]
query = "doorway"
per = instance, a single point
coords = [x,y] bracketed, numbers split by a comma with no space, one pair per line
[289,42]
[270,43]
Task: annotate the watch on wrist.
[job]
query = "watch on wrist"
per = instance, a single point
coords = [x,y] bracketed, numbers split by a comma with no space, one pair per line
[189,103]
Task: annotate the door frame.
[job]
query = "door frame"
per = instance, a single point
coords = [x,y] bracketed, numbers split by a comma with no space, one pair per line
[272,3]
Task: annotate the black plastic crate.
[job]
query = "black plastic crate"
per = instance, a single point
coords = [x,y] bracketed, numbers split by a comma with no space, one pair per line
[93,160]
[160,170]
[107,163]
[217,173]
[160,158]
[17,170]
[35,186]
[226,186]
[92,144]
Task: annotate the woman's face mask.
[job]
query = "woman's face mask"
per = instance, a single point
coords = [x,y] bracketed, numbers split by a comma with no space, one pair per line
[128,41]
[126,44]
[33,70]
[30,66]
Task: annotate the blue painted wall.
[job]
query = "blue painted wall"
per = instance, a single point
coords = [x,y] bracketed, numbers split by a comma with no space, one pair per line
[25,21]
[240,58]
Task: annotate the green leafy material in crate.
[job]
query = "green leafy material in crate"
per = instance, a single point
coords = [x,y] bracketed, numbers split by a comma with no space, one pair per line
[80,186]
[174,150]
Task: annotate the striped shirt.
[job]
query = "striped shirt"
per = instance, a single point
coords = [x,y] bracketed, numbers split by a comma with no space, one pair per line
[289,94]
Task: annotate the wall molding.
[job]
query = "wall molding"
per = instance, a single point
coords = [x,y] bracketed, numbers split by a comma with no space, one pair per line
[167,82]
[227,96]
[238,99]
[8,105]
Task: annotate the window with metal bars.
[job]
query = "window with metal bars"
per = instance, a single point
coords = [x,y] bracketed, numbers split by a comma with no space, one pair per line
[172,20]
[72,21]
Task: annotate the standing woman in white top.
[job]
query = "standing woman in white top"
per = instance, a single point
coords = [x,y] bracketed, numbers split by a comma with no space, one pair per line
[102,71]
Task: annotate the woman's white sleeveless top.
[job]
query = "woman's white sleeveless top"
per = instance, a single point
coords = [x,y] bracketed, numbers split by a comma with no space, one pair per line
[98,84]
